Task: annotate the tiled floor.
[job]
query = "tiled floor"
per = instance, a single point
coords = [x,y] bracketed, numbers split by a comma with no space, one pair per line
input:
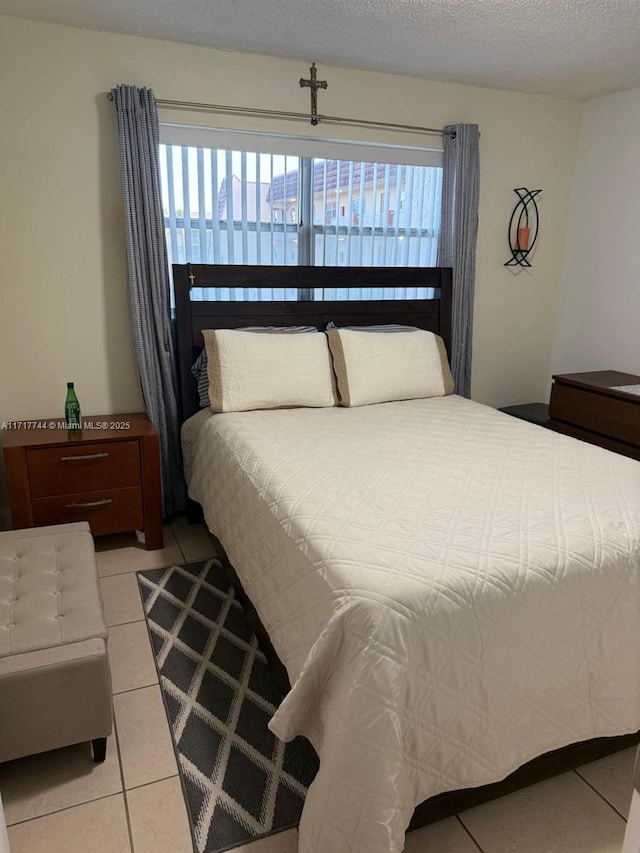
[61,802]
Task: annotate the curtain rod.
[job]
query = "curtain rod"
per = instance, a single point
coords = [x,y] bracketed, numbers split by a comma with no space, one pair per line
[282,114]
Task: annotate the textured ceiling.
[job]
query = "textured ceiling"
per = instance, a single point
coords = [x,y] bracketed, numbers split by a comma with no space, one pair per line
[573,48]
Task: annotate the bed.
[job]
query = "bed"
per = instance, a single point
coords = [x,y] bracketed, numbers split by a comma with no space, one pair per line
[453,594]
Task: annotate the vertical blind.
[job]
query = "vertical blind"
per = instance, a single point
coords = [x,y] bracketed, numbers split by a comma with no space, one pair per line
[248,207]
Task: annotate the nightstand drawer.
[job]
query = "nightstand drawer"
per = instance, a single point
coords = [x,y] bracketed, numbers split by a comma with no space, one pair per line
[68,469]
[116,471]
[107,511]
[605,415]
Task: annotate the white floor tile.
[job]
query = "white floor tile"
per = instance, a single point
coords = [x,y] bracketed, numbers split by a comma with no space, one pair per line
[158,818]
[123,553]
[561,815]
[612,777]
[45,783]
[195,542]
[446,836]
[146,750]
[98,827]
[130,657]
[121,599]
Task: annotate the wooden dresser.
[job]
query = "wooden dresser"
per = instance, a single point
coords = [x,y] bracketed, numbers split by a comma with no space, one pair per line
[586,406]
[107,473]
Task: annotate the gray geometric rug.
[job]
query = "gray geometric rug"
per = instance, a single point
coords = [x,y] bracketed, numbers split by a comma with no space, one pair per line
[240,782]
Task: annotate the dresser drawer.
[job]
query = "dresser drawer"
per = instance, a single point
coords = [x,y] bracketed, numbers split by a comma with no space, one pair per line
[107,511]
[595,438]
[608,416]
[69,469]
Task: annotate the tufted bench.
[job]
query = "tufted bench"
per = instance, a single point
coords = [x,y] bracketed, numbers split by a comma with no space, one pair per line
[55,684]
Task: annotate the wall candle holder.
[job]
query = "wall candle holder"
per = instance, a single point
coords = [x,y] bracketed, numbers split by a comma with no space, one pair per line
[522,225]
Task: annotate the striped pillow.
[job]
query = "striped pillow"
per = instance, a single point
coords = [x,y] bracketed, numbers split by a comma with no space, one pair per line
[383,327]
[199,368]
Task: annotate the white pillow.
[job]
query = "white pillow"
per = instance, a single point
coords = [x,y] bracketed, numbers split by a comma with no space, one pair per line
[258,370]
[376,367]
[199,368]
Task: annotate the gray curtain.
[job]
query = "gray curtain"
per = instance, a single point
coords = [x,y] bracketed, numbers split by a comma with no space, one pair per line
[459,229]
[148,277]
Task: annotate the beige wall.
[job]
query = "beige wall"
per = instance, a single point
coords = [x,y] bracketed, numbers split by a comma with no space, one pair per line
[599,316]
[63,304]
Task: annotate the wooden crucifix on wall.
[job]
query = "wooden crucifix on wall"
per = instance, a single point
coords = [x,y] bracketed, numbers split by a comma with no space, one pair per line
[314,84]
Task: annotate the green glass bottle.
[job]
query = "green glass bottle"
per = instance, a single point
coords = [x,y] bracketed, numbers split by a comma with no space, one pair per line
[72,415]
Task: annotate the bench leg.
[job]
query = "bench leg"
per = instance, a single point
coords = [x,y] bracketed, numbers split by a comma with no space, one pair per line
[99,749]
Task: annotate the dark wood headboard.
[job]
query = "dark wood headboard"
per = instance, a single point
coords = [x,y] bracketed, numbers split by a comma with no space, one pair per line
[193,316]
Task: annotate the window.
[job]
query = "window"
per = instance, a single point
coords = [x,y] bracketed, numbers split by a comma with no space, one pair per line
[246,207]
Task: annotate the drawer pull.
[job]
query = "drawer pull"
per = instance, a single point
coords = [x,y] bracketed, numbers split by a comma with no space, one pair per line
[86,456]
[103,502]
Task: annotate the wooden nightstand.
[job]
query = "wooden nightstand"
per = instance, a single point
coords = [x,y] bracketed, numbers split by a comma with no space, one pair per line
[533,413]
[107,473]
[586,406]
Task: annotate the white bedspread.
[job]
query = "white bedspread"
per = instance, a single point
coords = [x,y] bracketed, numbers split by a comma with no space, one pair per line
[452,591]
